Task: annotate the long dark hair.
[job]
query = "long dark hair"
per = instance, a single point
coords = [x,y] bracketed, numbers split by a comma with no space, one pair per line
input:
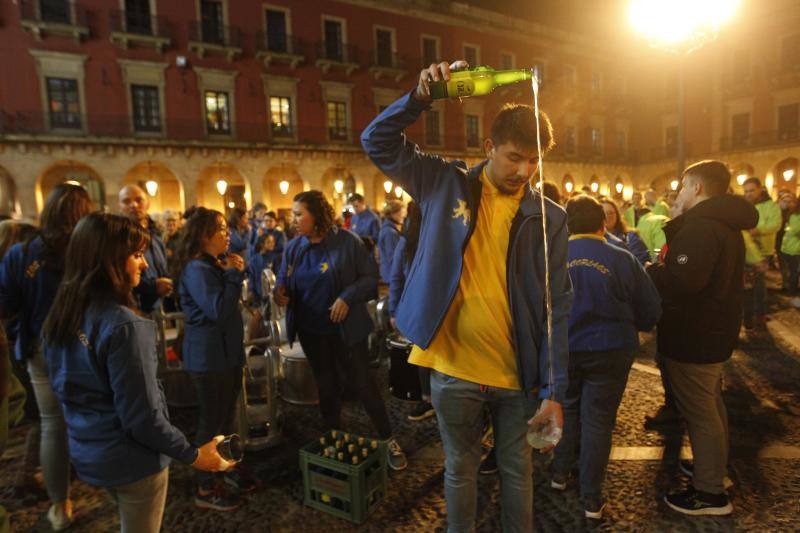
[319,208]
[411,233]
[201,223]
[234,218]
[65,206]
[13,232]
[621,227]
[94,269]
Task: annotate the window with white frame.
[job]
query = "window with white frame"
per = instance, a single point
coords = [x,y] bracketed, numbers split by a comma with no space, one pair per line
[430,50]
[433,128]
[277,30]
[507,61]
[472,54]
[337,121]
[472,126]
[280,116]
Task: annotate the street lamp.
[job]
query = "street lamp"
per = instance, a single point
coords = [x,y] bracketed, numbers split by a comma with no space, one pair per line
[673,185]
[387,186]
[338,186]
[680,26]
[222,186]
[788,175]
[619,186]
[741,178]
[398,192]
[284,186]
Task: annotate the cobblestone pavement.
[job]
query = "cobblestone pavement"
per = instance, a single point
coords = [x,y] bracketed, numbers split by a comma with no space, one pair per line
[761,392]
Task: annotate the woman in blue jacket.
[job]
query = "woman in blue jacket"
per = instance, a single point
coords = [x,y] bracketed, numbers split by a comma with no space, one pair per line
[393,215]
[240,232]
[102,360]
[265,257]
[616,226]
[29,278]
[210,287]
[325,280]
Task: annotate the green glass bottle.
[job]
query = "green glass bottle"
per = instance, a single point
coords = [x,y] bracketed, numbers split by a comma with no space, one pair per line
[479,81]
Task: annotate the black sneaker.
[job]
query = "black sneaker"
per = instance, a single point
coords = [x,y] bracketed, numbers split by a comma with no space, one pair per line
[593,507]
[697,503]
[558,481]
[422,411]
[665,418]
[217,499]
[687,468]
[489,464]
[240,479]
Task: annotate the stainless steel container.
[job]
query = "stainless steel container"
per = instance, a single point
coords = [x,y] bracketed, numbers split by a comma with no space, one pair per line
[296,384]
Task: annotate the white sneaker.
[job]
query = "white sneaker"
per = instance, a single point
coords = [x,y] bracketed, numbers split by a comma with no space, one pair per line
[60,515]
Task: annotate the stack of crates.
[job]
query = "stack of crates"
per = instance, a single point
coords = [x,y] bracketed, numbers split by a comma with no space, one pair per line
[341,488]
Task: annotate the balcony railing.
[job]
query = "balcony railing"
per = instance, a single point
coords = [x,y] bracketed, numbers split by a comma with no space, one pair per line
[57,17]
[290,45]
[761,139]
[337,51]
[215,34]
[138,24]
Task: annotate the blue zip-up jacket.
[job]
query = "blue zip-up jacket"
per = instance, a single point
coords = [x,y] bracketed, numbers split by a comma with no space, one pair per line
[448,194]
[356,281]
[614,297]
[634,245]
[387,240]
[257,264]
[214,332]
[117,421]
[156,255]
[240,242]
[397,278]
[28,285]
[366,224]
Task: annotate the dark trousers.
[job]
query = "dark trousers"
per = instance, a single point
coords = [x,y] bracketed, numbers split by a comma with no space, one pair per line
[328,356]
[669,396]
[217,394]
[596,383]
[790,270]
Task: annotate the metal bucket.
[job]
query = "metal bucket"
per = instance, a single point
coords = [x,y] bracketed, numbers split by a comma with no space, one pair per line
[297,384]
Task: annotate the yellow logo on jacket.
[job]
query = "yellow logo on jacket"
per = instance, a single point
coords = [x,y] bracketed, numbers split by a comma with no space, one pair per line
[462,211]
[32,269]
[323,267]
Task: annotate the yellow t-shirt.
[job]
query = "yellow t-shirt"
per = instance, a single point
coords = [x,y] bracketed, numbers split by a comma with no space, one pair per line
[475,340]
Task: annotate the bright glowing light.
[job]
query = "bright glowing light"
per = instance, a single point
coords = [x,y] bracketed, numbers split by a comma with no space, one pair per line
[387,186]
[594,186]
[769,182]
[284,186]
[398,191]
[73,182]
[152,187]
[788,175]
[619,186]
[604,189]
[568,186]
[680,21]
[627,193]
[247,196]
[338,186]
[222,186]
[741,178]
[231,205]
[673,185]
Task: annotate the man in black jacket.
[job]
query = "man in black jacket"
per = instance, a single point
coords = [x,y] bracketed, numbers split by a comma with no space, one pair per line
[701,284]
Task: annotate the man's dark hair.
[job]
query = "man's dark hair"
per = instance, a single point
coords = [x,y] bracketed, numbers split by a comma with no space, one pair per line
[355,197]
[516,123]
[584,215]
[714,175]
[550,190]
[258,206]
[271,214]
[752,180]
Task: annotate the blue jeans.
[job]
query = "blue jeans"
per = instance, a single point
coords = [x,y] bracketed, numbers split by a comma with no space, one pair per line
[596,383]
[54,451]
[459,407]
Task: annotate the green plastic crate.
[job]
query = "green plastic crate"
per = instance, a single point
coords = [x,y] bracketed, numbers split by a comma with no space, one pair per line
[347,491]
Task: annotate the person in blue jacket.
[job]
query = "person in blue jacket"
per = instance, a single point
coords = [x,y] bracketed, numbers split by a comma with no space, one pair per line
[156,283]
[401,262]
[271,228]
[210,287]
[616,226]
[614,299]
[267,257]
[474,300]
[241,233]
[29,278]
[394,213]
[102,361]
[325,280]
[364,222]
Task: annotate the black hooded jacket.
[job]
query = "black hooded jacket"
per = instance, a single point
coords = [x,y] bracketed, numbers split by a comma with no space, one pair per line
[701,280]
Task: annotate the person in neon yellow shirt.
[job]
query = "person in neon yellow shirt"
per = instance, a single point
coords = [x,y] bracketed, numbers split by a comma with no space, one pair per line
[769,222]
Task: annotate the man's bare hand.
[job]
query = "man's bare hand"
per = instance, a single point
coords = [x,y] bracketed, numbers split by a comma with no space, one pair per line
[436,72]
[163,287]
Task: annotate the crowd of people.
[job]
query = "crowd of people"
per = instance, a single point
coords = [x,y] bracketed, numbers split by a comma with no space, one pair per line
[463,268]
